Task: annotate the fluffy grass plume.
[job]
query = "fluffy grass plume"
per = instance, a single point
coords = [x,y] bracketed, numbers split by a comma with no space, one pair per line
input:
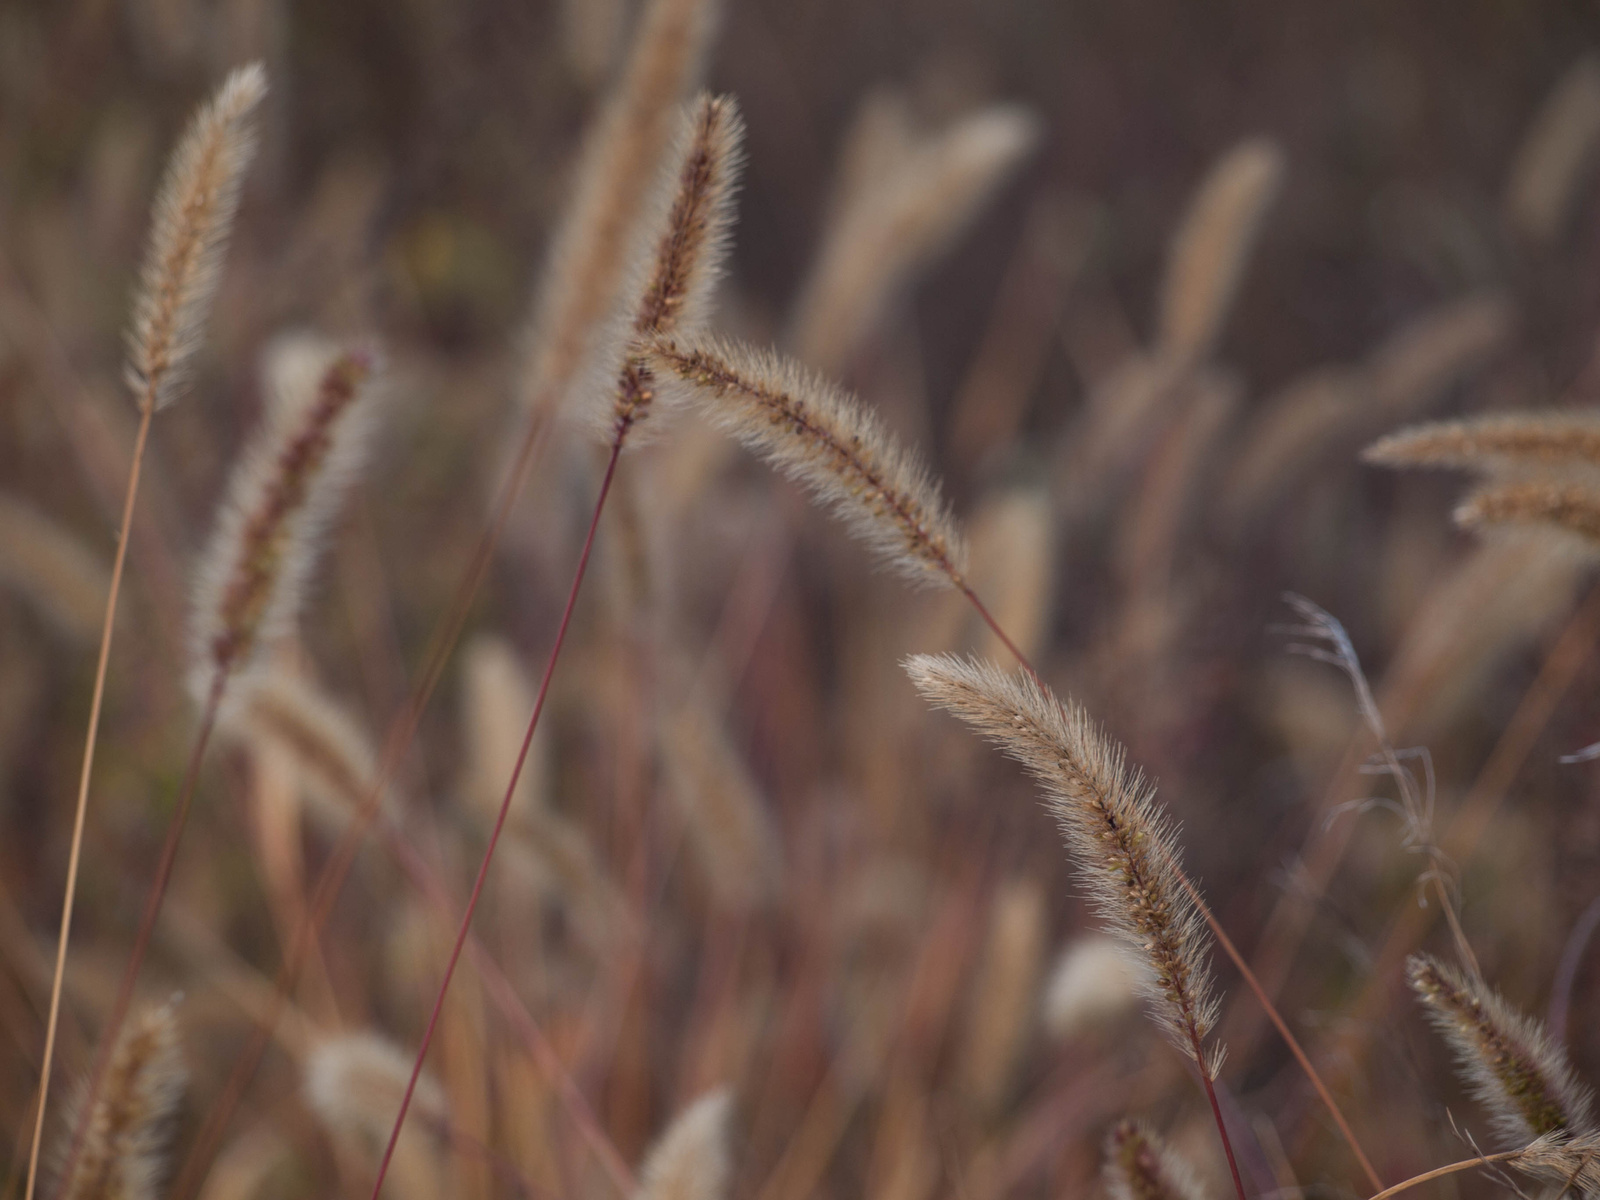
[353,1083]
[677,258]
[1094,981]
[822,437]
[690,1161]
[496,698]
[1559,145]
[1209,253]
[58,575]
[901,199]
[193,214]
[331,753]
[1140,1166]
[1124,844]
[280,496]
[1568,508]
[122,1156]
[1511,1065]
[620,157]
[1436,350]
[1497,444]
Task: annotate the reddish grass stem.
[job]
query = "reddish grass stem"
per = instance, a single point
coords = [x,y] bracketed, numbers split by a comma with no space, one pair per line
[147,922]
[505,809]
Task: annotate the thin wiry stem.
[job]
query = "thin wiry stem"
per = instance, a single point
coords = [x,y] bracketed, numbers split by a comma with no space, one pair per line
[147,921]
[505,809]
[75,854]
[1466,1164]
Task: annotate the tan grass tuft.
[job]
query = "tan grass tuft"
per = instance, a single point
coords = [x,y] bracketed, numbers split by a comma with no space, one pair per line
[690,1161]
[1140,1166]
[52,570]
[496,698]
[1005,993]
[1566,507]
[354,1083]
[1437,350]
[1094,981]
[677,257]
[1544,179]
[902,199]
[193,215]
[1208,256]
[280,496]
[331,753]
[620,157]
[1511,1065]
[822,437]
[1569,1163]
[122,1155]
[1497,444]
[1124,843]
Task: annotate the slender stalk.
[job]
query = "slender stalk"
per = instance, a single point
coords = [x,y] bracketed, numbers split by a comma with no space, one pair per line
[75,854]
[1216,1113]
[505,809]
[147,921]
[1465,1164]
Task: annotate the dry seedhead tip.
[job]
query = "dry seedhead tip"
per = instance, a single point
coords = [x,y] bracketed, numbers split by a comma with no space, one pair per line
[690,1161]
[822,437]
[1565,507]
[1140,1166]
[1124,844]
[331,753]
[280,496]
[58,575]
[678,261]
[1209,253]
[1094,981]
[1496,445]
[618,160]
[1511,1065]
[122,1155]
[1569,1163]
[193,214]
[1544,178]
[354,1083]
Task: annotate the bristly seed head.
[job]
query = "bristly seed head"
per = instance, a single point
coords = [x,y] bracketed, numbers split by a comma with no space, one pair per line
[1140,1166]
[1510,1063]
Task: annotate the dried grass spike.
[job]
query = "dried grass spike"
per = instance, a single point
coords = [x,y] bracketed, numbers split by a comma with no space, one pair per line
[280,496]
[1437,350]
[354,1083]
[56,573]
[620,156]
[690,1161]
[1550,164]
[122,1156]
[1569,1163]
[1095,980]
[822,437]
[678,258]
[193,214]
[1496,445]
[1140,1166]
[1004,997]
[1125,845]
[1565,507]
[1512,1066]
[496,698]
[1209,253]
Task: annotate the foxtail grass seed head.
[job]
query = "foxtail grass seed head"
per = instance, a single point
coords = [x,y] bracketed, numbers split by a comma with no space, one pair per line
[621,154]
[280,497]
[690,1161]
[1555,154]
[1569,1163]
[1124,844]
[1208,256]
[123,1151]
[1140,1166]
[1568,508]
[823,438]
[1496,445]
[1510,1063]
[194,212]
[57,574]
[1094,981]
[354,1083]
[678,258]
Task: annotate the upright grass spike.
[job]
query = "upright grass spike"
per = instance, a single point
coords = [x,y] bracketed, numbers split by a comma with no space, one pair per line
[1496,445]
[127,1125]
[193,216]
[1512,1066]
[1124,844]
[690,1161]
[1140,1166]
